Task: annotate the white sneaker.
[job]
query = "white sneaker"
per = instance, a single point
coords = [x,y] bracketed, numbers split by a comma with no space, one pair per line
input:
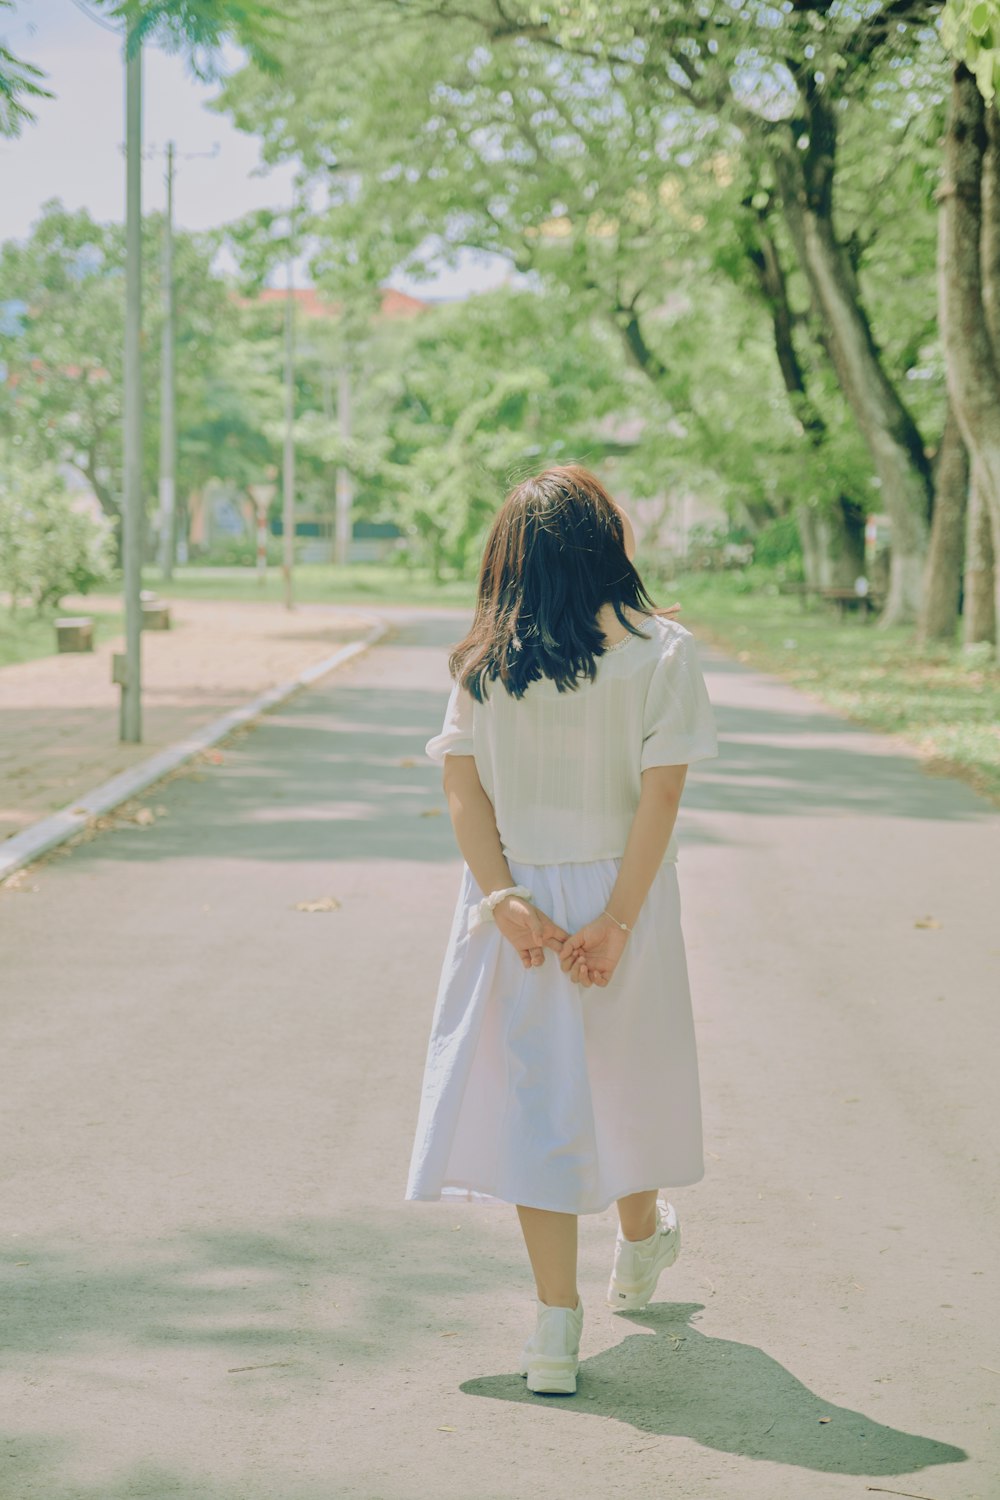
[551,1356]
[638,1263]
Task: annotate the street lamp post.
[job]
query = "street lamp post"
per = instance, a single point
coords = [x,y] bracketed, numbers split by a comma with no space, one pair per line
[168,429]
[288,472]
[130,725]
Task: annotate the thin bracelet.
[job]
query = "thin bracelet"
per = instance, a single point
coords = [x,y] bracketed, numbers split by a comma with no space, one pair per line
[623,925]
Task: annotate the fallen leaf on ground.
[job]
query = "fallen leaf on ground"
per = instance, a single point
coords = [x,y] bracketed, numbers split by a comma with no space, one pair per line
[447,1429]
[927,922]
[431,812]
[275,1364]
[324,903]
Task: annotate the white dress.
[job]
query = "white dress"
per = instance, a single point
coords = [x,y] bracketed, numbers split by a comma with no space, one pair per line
[538,1091]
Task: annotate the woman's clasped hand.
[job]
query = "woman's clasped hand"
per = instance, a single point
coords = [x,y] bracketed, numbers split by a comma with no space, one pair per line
[589,956]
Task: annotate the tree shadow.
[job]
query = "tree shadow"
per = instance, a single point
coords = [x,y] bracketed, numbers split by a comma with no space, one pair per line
[677,1382]
[339,773]
[269,1320]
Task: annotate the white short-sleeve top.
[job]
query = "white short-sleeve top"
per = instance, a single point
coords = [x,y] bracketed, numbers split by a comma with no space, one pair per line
[563,770]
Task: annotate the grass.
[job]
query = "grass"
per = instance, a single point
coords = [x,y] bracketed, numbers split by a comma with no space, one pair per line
[939,698]
[27,636]
[318,583]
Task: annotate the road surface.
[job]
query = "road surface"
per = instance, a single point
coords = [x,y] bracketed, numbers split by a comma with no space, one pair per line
[212,1288]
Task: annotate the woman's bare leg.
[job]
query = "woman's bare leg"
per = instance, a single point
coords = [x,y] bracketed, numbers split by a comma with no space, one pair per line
[637,1214]
[551,1242]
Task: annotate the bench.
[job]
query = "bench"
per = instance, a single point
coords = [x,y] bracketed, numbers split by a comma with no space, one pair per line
[155,615]
[869,604]
[75,633]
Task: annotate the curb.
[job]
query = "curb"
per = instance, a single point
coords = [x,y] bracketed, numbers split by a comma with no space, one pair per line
[22,848]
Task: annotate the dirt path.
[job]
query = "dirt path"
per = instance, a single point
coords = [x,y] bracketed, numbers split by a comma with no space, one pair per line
[212,1289]
[59,714]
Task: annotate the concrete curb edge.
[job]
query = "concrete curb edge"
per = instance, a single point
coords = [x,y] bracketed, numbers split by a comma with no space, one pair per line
[22,848]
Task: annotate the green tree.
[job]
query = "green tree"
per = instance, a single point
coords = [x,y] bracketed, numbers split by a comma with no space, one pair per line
[61,340]
[597,145]
[969,279]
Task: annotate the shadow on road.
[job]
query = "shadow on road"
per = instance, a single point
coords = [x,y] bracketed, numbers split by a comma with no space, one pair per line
[264,1320]
[254,1329]
[677,1382]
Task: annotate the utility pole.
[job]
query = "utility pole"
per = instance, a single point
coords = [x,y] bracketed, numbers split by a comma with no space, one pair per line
[288,476]
[345,482]
[168,424]
[130,728]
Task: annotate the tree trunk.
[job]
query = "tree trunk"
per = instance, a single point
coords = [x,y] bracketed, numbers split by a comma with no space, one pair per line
[831,557]
[809,540]
[973,376]
[979,614]
[943,570]
[805,182]
[982,556]
[832,539]
[763,255]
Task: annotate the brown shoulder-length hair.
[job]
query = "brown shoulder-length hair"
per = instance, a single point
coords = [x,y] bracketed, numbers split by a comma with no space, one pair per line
[555,554]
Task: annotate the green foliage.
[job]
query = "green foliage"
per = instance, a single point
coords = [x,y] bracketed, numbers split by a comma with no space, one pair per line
[200,28]
[48,546]
[239,552]
[619,156]
[20,82]
[61,343]
[468,397]
[970,30]
[777,545]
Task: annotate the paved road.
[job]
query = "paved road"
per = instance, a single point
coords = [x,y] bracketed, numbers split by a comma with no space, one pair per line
[212,1289]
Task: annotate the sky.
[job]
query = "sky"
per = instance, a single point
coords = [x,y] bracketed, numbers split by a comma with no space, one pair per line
[73,151]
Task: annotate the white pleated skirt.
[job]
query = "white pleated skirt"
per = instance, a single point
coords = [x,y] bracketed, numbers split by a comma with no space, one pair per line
[540,1092]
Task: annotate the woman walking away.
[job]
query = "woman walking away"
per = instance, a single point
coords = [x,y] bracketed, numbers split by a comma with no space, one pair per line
[562,1072]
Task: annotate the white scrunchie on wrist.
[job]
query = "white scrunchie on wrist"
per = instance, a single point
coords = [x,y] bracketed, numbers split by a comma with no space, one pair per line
[482,912]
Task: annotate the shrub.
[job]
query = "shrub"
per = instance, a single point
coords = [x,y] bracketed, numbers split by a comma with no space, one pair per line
[238,552]
[49,546]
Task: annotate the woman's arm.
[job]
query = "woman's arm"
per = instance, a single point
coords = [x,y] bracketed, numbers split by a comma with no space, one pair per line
[475,825]
[474,822]
[652,824]
[591,955]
